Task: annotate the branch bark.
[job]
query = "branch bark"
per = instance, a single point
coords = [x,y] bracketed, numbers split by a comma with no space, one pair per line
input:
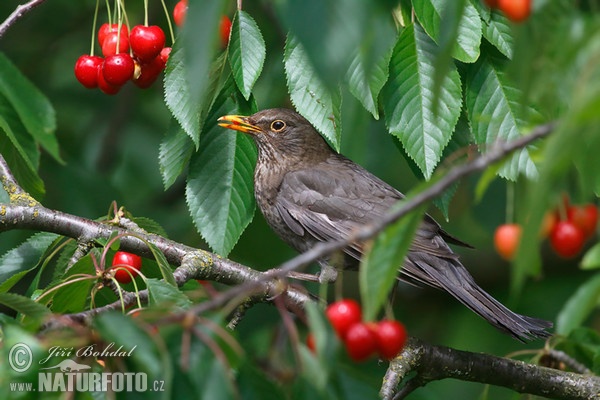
[432,362]
[21,10]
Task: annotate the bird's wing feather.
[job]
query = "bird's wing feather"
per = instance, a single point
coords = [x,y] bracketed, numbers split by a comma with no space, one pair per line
[328,205]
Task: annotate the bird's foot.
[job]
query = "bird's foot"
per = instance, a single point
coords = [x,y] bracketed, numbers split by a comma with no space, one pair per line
[328,274]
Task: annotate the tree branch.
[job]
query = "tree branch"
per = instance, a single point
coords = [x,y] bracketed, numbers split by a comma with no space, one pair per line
[21,10]
[432,362]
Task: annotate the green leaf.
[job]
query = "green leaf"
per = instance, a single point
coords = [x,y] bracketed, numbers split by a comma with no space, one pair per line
[498,31]
[495,111]
[380,266]
[175,151]
[161,293]
[579,306]
[33,108]
[366,86]
[163,265]
[255,385]
[431,13]
[591,259]
[247,52]
[219,190]
[24,305]
[15,263]
[73,296]
[310,96]
[422,121]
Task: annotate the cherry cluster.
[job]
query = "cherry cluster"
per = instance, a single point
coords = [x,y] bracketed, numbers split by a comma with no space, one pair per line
[568,228]
[125,266]
[363,339]
[515,10]
[138,56]
[180,12]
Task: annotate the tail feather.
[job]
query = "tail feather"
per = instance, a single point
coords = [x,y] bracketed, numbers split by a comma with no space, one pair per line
[451,276]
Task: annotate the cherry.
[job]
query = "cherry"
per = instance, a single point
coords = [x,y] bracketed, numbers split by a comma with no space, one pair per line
[109,45]
[585,217]
[225,30]
[118,69]
[126,262]
[342,314]
[106,28]
[506,240]
[104,86]
[86,70]
[179,12]
[164,54]
[360,341]
[548,223]
[310,343]
[567,239]
[515,10]
[149,72]
[391,337]
[146,42]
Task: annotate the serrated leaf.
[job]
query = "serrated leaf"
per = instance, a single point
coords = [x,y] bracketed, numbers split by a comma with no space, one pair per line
[579,306]
[161,292]
[33,108]
[365,86]
[380,266]
[495,113]
[219,189]
[247,52]
[498,31]
[468,32]
[175,151]
[310,96]
[411,112]
[23,305]
[23,258]
[178,96]
[73,296]
[150,225]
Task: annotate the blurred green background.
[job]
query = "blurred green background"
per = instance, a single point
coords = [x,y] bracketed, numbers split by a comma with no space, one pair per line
[110,145]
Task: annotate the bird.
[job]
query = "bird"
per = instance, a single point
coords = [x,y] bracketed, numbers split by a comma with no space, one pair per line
[308,193]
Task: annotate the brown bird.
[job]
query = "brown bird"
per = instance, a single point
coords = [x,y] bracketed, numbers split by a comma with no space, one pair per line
[308,194]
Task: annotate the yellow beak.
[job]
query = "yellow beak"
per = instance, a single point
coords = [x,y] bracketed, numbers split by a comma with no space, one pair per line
[238,123]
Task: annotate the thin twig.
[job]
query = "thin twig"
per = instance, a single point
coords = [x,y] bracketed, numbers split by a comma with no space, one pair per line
[21,10]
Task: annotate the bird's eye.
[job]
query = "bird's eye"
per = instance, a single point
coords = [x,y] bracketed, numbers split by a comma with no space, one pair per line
[277,125]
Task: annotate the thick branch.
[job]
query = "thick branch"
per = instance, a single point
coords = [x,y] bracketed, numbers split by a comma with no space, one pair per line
[437,362]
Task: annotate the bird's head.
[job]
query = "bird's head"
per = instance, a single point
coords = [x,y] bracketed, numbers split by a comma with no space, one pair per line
[279,132]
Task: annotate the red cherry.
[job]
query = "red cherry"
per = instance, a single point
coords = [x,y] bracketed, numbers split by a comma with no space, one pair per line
[104,86]
[342,314]
[225,30]
[391,337]
[146,42]
[164,54]
[179,12]
[118,69]
[126,262]
[506,240]
[106,28]
[149,72]
[584,217]
[515,10]
[86,70]
[567,239]
[109,45]
[360,341]
[310,343]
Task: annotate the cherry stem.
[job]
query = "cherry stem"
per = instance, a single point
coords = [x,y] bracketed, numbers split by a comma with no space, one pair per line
[109,12]
[145,12]
[510,202]
[239,4]
[168,22]
[94,24]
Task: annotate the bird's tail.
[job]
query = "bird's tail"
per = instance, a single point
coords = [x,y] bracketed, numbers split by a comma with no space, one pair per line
[450,275]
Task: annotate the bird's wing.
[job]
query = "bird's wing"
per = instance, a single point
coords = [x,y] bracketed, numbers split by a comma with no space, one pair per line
[328,202]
